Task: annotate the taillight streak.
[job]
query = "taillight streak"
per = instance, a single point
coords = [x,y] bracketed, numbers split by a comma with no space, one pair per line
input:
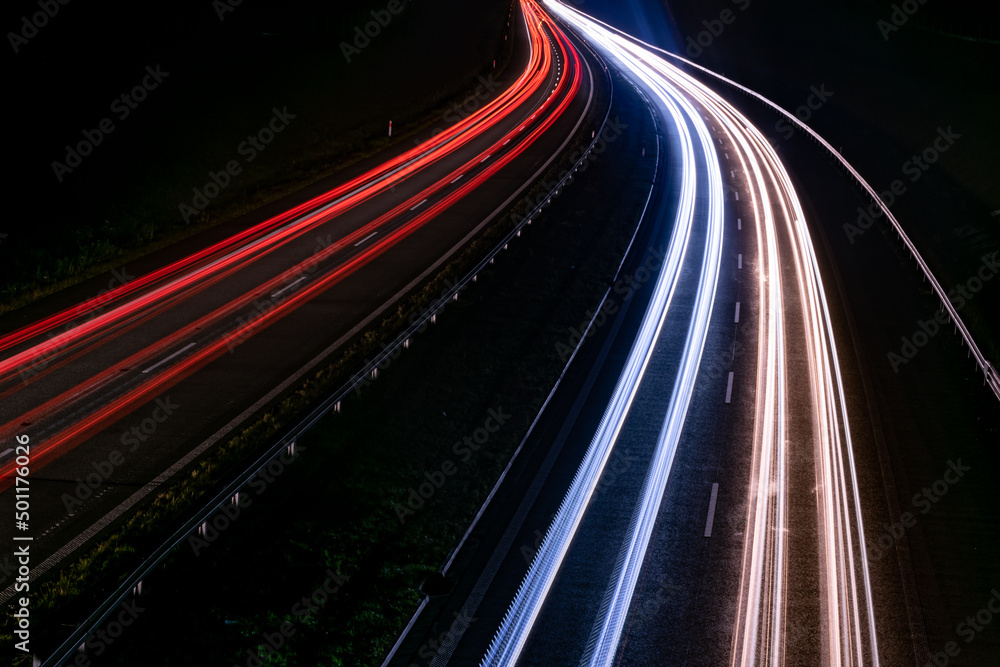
[422,156]
[126,403]
[198,279]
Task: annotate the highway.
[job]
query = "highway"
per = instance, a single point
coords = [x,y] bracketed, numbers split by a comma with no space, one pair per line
[706,482]
[768,493]
[124,391]
[801,434]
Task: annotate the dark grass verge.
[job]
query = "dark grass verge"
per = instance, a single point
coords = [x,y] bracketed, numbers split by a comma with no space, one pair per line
[333,509]
[98,247]
[68,594]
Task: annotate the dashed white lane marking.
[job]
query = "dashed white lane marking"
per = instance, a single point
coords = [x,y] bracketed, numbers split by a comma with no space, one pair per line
[737,319]
[163,361]
[416,206]
[739,223]
[729,388]
[296,282]
[457,178]
[739,261]
[485,158]
[359,242]
[711,509]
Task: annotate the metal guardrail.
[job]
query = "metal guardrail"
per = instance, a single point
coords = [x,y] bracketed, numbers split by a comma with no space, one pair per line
[991,377]
[443,569]
[132,584]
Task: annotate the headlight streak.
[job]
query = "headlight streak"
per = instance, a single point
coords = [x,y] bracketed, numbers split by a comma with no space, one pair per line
[843,549]
[506,646]
[770,430]
[991,376]
[846,628]
[848,616]
[605,642]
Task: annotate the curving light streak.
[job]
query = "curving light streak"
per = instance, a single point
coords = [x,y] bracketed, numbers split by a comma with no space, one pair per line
[553,106]
[851,636]
[513,632]
[991,376]
[605,642]
[198,271]
[766,523]
[847,609]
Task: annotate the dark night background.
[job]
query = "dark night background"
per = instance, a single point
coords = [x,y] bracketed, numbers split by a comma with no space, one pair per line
[890,95]
[225,76]
[889,99]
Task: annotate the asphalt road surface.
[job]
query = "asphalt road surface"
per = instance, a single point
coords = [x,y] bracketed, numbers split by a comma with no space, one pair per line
[727,508]
[126,390]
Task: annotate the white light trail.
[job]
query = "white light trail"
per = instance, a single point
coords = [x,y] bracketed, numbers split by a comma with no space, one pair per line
[517,623]
[991,376]
[627,575]
[847,613]
[604,643]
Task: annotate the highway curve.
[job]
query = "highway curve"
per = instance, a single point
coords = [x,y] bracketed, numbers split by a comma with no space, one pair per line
[700,454]
[121,393]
